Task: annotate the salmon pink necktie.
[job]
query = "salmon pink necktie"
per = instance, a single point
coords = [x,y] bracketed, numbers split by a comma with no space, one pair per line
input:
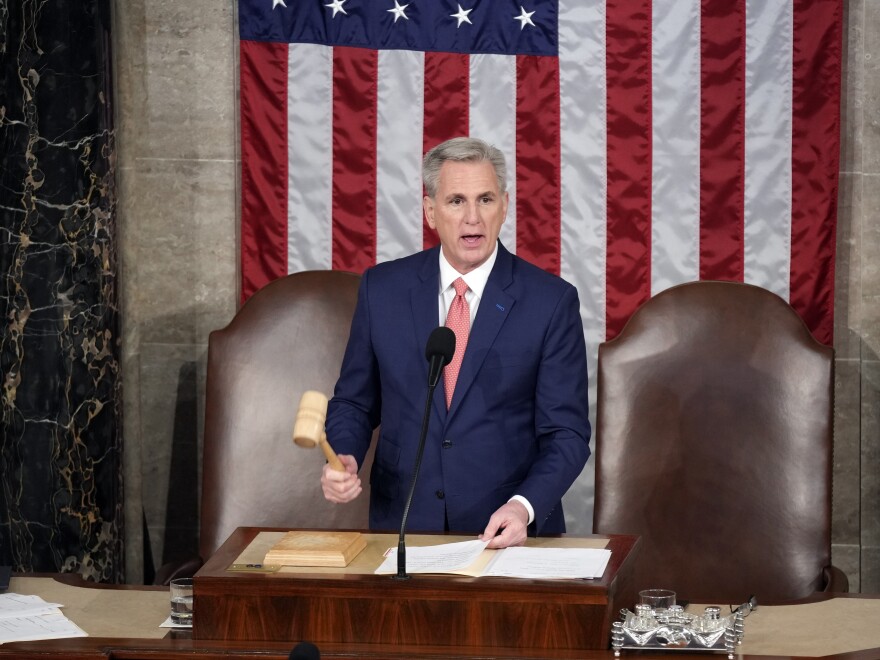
[459,321]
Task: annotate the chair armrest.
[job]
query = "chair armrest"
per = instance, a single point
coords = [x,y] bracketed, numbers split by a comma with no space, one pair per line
[177,569]
[834,580]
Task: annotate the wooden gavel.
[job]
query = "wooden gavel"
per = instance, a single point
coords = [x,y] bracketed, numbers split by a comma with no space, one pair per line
[308,429]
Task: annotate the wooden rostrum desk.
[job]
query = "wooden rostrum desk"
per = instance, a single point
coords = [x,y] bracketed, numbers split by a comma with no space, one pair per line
[123,624]
[235,601]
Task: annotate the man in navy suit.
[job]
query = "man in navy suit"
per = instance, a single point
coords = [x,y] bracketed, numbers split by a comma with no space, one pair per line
[515,433]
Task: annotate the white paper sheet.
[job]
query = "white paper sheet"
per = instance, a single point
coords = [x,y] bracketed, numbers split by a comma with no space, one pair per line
[24,617]
[444,558]
[16,605]
[470,558]
[43,626]
[549,563]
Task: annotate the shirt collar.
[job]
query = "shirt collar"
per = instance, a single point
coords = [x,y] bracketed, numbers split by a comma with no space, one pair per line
[476,279]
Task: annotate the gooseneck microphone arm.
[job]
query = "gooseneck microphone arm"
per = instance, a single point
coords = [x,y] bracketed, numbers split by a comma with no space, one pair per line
[439,352]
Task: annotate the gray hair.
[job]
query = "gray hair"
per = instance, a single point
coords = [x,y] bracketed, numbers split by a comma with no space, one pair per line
[463,150]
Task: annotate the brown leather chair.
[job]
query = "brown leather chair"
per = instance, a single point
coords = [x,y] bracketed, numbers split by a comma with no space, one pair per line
[713,444]
[287,338]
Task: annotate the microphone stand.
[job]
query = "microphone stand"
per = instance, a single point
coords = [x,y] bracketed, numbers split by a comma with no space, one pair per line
[401,545]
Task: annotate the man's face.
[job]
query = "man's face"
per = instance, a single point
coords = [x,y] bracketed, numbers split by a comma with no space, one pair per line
[467,212]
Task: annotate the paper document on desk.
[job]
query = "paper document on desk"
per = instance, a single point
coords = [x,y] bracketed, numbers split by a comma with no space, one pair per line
[473,559]
[445,558]
[549,563]
[24,618]
[15,605]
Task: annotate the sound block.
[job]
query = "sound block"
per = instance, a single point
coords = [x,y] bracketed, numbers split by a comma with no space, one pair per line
[316,548]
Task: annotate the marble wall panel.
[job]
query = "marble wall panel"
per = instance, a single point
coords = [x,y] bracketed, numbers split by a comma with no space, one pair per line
[129,35]
[869,267]
[870,454]
[870,570]
[869,275]
[190,77]
[847,285]
[178,226]
[183,229]
[848,559]
[171,433]
[60,442]
[870,236]
[180,283]
[846,492]
[853,86]
[870,103]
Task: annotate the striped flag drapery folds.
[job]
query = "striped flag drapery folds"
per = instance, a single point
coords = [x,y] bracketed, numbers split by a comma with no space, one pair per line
[649,143]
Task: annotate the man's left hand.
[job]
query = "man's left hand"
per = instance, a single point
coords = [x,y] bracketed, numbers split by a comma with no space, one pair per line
[512,520]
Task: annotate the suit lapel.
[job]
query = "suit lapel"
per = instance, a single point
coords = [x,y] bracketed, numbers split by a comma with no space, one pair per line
[495,306]
[426,315]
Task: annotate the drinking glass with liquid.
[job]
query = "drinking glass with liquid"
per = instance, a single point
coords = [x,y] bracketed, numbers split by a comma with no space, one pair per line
[182,601]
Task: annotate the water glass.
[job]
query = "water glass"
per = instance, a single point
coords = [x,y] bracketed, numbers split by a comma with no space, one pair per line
[659,600]
[182,601]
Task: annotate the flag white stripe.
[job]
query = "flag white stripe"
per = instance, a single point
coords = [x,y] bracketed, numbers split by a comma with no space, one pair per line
[675,171]
[492,118]
[768,162]
[400,101]
[309,158]
[584,161]
[584,190]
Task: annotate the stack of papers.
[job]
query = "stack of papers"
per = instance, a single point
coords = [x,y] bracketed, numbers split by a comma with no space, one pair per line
[472,558]
[24,618]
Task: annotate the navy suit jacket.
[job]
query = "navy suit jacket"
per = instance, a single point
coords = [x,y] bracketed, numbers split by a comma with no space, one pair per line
[519,419]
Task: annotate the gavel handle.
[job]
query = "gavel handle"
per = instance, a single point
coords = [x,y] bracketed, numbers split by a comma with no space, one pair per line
[331,456]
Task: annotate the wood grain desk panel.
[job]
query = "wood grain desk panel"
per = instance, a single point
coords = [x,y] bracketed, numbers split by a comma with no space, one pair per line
[357,606]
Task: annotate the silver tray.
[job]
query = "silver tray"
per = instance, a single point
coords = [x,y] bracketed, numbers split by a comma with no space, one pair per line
[674,629]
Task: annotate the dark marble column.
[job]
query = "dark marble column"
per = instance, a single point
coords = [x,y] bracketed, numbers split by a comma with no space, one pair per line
[60,438]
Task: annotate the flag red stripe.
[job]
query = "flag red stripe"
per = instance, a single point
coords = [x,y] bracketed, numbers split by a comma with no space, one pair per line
[628,74]
[538,166]
[263,140]
[447,107]
[722,140]
[355,71]
[815,162]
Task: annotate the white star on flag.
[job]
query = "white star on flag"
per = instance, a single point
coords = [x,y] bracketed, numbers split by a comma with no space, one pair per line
[336,6]
[275,3]
[462,16]
[525,18]
[399,11]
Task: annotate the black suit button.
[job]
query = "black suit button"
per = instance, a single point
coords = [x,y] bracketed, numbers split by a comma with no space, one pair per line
[447,443]
[440,494]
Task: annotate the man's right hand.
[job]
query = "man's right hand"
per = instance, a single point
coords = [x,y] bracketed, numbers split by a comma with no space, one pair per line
[341,487]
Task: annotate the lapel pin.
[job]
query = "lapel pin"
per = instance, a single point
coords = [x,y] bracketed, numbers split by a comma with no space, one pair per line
[499,306]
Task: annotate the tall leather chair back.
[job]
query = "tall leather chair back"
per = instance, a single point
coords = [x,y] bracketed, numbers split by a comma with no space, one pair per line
[713,444]
[287,338]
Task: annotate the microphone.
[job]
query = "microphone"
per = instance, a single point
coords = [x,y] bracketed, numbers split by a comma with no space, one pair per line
[438,352]
[305,651]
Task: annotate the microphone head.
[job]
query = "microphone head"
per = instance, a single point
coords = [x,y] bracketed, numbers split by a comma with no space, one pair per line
[441,344]
[305,651]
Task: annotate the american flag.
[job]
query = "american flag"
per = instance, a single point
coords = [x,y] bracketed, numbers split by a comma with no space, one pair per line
[649,143]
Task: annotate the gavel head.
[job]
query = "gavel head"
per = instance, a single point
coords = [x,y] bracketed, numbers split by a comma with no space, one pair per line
[308,429]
